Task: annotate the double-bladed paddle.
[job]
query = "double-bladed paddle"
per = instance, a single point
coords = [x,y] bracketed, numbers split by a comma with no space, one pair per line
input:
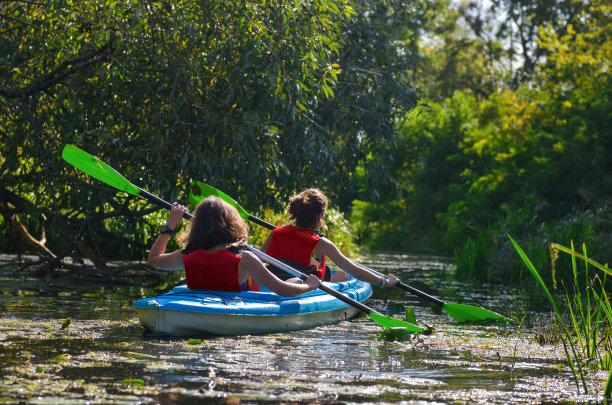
[459,312]
[198,191]
[106,174]
[384,321]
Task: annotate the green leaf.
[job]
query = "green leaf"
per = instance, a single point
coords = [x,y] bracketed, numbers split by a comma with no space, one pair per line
[410,317]
[133,382]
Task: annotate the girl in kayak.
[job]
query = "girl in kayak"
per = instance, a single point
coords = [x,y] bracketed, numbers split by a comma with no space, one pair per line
[208,259]
[300,243]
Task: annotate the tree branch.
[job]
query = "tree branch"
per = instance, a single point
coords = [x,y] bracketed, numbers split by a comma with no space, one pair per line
[39,244]
[63,70]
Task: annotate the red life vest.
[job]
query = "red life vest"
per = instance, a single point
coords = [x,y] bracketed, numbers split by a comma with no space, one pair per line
[212,271]
[297,244]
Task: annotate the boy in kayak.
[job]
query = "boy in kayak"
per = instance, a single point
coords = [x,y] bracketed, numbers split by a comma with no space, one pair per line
[299,244]
[209,261]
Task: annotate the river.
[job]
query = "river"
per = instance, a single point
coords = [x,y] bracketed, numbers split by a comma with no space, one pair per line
[99,354]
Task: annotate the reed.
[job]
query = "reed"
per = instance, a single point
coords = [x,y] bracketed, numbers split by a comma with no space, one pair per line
[487,256]
[590,310]
[589,313]
[573,358]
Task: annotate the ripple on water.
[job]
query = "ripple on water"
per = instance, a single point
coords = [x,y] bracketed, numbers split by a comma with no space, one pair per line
[102,357]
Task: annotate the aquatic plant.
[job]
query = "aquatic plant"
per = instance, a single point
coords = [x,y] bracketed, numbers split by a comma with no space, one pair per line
[588,311]
[590,318]
[487,255]
[593,311]
[584,317]
[573,360]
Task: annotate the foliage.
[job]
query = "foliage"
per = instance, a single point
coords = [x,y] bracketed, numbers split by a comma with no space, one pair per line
[237,94]
[480,47]
[587,310]
[488,256]
[460,50]
[428,168]
[573,358]
[378,49]
[468,167]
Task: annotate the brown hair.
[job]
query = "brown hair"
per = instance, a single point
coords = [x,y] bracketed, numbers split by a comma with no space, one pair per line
[215,222]
[307,207]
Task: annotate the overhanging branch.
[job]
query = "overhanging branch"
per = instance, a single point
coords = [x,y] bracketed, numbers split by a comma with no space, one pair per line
[63,70]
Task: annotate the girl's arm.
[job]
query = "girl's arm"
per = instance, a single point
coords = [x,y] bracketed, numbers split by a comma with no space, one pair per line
[166,261]
[251,266]
[327,247]
[157,256]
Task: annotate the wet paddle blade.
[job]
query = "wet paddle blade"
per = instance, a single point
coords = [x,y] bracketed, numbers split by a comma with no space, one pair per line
[388,323]
[97,169]
[471,313]
[199,191]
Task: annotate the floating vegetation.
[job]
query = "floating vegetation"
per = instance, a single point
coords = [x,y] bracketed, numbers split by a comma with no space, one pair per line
[66,323]
[133,382]
[394,334]
[103,357]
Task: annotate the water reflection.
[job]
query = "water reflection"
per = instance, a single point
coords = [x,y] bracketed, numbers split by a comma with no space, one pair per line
[102,356]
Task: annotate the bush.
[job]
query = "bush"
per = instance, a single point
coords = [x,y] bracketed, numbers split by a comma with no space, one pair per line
[488,255]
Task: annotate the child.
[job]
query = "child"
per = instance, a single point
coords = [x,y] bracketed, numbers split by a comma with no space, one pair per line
[208,263]
[299,243]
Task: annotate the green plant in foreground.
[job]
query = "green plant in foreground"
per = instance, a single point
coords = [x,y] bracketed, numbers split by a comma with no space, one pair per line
[590,321]
[584,321]
[590,313]
[575,364]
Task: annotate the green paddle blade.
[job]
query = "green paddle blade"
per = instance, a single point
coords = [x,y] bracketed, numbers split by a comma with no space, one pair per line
[388,323]
[199,191]
[97,169]
[471,313]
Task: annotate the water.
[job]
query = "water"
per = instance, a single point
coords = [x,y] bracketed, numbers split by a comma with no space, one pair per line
[102,356]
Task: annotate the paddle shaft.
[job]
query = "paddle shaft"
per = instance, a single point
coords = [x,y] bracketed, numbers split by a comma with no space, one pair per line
[269,259]
[103,172]
[420,294]
[162,203]
[401,285]
[261,222]
[411,290]
[451,309]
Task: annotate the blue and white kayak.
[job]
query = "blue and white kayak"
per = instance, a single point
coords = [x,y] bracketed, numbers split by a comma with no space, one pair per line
[186,312]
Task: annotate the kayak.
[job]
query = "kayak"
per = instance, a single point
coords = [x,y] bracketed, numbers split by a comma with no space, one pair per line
[187,312]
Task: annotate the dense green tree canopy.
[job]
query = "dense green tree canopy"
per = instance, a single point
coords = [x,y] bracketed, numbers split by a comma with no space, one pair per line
[473,157]
[256,98]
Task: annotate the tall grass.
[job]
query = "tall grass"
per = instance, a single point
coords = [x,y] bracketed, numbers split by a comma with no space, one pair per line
[587,310]
[585,317]
[487,255]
